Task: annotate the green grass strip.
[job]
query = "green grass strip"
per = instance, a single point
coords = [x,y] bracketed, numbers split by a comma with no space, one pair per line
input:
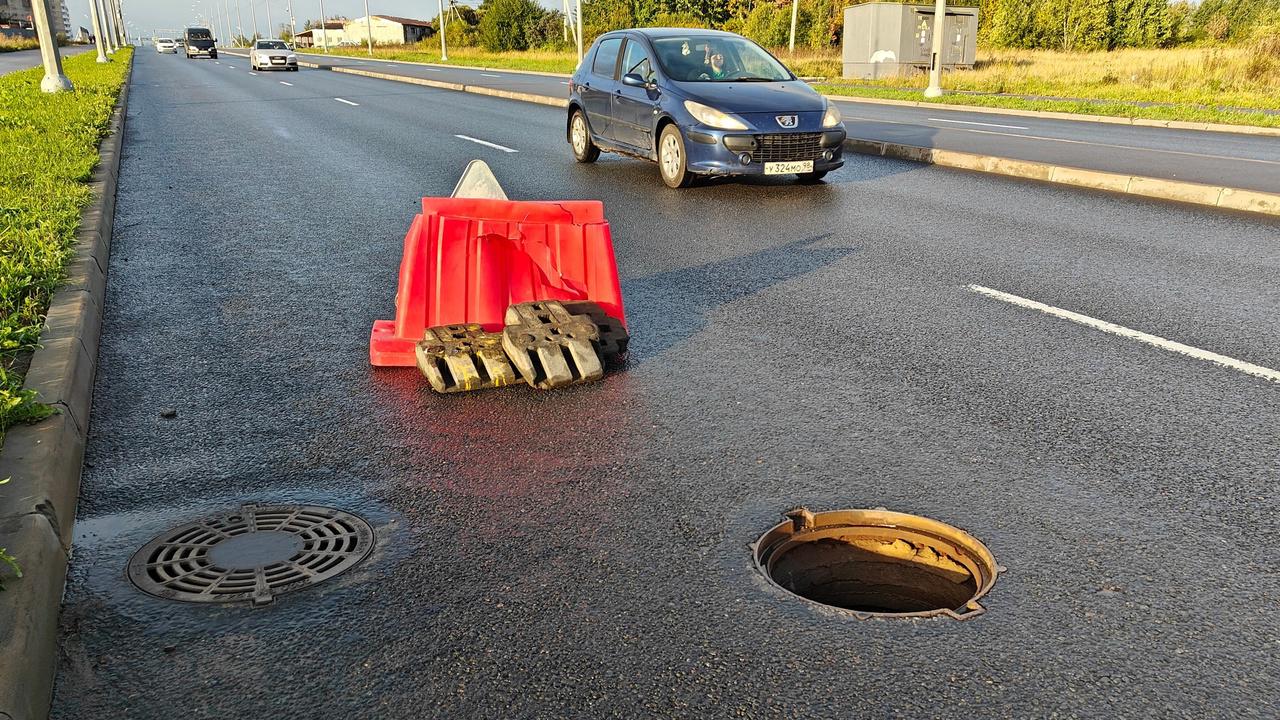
[48,150]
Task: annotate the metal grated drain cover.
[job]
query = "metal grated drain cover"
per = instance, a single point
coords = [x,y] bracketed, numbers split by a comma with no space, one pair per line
[253,554]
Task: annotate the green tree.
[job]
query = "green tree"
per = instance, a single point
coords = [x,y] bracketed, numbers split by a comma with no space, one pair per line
[509,24]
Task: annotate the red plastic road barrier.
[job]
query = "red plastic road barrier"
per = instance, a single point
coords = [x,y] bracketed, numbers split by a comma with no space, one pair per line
[465,260]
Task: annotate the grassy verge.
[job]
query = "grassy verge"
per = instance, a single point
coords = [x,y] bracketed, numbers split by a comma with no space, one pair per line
[1230,85]
[1188,113]
[48,149]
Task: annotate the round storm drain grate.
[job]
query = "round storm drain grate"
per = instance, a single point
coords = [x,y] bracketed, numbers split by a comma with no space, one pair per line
[254,554]
[877,563]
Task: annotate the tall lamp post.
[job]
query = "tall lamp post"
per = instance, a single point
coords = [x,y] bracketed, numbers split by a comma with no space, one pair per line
[578,23]
[795,10]
[99,37]
[935,63]
[368,27]
[444,51]
[324,30]
[54,81]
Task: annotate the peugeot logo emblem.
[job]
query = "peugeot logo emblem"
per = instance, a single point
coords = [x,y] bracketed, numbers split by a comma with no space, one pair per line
[787,121]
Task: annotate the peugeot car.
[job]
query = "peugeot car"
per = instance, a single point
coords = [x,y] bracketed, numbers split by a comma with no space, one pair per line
[166,45]
[199,41]
[700,102]
[272,54]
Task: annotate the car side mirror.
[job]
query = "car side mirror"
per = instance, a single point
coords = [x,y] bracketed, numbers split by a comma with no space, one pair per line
[637,80]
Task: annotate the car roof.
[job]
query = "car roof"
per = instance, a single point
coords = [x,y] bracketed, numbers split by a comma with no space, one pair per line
[663,32]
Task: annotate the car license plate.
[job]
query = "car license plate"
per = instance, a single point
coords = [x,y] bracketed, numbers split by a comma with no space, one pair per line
[277,61]
[788,168]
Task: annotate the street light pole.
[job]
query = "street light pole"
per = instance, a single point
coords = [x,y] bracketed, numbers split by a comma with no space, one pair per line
[578,23]
[795,10]
[226,21]
[368,27]
[124,37]
[239,22]
[98,36]
[105,19]
[54,81]
[935,65]
[444,51]
[270,28]
[253,11]
[324,30]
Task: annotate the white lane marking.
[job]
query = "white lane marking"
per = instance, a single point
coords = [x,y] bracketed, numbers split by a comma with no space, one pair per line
[253,73]
[433,69]
[347,102]
[490,75]
[1104,326]
[486,143]
[1071,142]
[971,122]
[563,82]
[286,83]
[233,67]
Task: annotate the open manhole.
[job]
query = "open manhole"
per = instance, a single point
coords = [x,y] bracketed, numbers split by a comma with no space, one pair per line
[254,554]
[877,563]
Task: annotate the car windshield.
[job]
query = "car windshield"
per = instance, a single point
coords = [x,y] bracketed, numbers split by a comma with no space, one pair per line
[717,58]
[272,45]
[199,35]
[166,40]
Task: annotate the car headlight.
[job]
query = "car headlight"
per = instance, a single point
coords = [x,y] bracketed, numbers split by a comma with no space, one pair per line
[831,117]
[293,58]
[712,117]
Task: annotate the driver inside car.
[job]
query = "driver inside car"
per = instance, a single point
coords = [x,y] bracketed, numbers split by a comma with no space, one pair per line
[714,65]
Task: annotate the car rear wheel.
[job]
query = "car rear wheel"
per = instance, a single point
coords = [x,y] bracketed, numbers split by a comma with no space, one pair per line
[584,151]
[672,164]
[812,177]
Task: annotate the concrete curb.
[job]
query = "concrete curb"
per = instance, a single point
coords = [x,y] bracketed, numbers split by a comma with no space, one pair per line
[1048,115]
[38,507]
[1195,193]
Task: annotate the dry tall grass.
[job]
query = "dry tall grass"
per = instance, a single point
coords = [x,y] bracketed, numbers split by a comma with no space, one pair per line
[1243,76]
[10,44]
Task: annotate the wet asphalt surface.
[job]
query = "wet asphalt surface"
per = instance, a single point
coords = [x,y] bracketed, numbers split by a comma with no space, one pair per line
[1241,161]
[583,553]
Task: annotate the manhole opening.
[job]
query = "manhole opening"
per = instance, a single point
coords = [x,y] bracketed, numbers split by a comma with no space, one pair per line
[877,563]
[253,554]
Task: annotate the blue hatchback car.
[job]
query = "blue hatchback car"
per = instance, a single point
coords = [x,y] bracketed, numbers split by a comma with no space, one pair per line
[700,102]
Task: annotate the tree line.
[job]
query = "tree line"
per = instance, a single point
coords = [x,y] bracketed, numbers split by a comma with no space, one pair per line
[503,25]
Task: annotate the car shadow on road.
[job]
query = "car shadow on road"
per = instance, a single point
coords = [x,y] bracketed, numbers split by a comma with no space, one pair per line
[670,307]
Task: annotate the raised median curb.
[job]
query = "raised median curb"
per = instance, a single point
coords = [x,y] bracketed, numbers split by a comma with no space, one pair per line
[1195,193]
[43,460]
[1076,117]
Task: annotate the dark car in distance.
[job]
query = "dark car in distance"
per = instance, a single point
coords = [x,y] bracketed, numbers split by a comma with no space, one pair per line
[199,41]
[699,102]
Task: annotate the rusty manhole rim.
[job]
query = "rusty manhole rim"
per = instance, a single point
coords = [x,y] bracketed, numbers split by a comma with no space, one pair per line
[177,564]
[800,521]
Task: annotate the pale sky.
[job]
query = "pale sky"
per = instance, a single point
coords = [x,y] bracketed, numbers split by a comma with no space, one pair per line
[149,15]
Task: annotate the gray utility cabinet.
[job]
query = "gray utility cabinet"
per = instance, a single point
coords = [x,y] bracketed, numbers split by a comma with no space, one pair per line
[887,39]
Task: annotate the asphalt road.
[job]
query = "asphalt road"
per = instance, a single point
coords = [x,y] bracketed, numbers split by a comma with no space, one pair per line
[23,59]
[1243,161]
[583,553]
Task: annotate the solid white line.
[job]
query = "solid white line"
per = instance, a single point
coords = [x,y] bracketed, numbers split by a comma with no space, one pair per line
[486,144]
[562,82]
[1104,326]
[286,83]
[490,75]
[433,69]
[347,102]
[971,122]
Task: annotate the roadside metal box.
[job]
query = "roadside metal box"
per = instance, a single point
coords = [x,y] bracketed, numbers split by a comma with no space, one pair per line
[888,39]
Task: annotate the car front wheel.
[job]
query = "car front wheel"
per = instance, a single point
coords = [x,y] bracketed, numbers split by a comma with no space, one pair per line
[672,162]
[584,151]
